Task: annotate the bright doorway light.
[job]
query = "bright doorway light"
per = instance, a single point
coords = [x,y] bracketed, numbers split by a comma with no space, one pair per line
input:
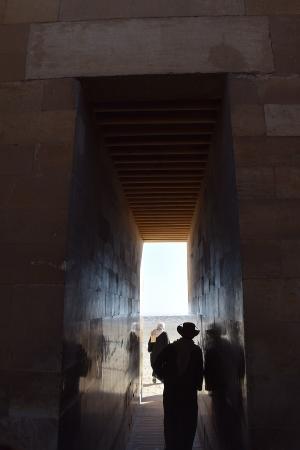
[164,289]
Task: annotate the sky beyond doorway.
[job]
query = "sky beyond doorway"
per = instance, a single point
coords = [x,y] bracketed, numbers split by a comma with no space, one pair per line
[164,279]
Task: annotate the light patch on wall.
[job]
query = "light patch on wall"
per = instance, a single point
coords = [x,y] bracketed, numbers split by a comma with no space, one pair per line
[164,290]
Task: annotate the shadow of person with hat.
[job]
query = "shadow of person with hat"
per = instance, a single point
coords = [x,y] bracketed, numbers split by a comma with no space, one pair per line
[180,367]
[224,373]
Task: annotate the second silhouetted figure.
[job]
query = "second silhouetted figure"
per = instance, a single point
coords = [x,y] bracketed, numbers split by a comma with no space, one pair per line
[180,367]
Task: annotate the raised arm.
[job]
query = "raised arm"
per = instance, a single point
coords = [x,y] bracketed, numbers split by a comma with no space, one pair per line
[150,345]
[159,364]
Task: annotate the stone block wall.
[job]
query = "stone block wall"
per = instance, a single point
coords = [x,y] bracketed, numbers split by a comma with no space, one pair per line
[64,38]
[267,154]
[215,279]
[69,278]
[257,42]
[101,343]
[37,129]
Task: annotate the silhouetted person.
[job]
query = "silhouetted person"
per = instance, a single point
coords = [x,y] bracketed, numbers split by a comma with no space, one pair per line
[180,367]
[224,373]
[157,342]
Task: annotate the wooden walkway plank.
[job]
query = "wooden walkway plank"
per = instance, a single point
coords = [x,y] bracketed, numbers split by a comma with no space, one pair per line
[148,425]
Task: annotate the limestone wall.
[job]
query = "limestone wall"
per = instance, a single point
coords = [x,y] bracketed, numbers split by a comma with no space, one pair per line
[69,38]
[101,351]
[36,148]
[266,128]
[215,284]
[257,44]
[70,257]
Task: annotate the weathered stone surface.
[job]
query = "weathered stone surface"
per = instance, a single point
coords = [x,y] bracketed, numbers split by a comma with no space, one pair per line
[18,11]
[290,258]
[43,435]
[277,300]
[261,89]
[93,9]
[264,361]
[267,151]
[6,320]
[36,162]
[59,95]
[52,158]
[269,219]
[34,96]
[16,159]
[36,127]
[5,191]
[255,182]
[279,90]
[248,120]
[2,9]
[289,300]
[263,404]
[13,48]
[32,263]
[267,168]
[285,36]
[101,302]
[215,285]
[243,90]
[114,47]
[282,120]
[261,258]
[264,294]
[21,97]
[34,192]
[33,225]
[288,182]
[38,317]
[35,394]
[269,7]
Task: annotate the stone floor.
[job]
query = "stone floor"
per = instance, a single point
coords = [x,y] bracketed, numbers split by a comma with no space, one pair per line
[148,432]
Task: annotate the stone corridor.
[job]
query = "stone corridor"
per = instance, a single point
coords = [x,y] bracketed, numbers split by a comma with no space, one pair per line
[124,122]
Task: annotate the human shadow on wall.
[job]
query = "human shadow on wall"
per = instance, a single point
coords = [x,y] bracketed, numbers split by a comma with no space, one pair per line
[133,349]
[77,365]
[224,373]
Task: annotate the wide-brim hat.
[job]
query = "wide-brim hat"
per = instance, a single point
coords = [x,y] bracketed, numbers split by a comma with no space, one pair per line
[214,330]
[188,330]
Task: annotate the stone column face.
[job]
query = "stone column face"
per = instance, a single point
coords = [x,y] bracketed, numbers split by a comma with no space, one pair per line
[101,309]
[265,115]
[215,294]
[69,283]
[36,150]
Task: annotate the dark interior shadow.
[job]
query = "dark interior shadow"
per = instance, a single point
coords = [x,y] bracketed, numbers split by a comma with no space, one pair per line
[76,365]
[224,374]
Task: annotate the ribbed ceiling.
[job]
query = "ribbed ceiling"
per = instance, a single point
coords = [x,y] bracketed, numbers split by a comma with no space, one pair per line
[160,151]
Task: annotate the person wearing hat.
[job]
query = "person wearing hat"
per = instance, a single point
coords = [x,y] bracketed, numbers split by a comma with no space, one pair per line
[180,367]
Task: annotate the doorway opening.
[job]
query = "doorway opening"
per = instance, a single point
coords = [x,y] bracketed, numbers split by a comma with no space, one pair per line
[150,152]
[164,279]
[164,300]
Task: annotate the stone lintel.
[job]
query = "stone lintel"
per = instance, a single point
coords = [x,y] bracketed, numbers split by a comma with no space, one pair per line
[149,46]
